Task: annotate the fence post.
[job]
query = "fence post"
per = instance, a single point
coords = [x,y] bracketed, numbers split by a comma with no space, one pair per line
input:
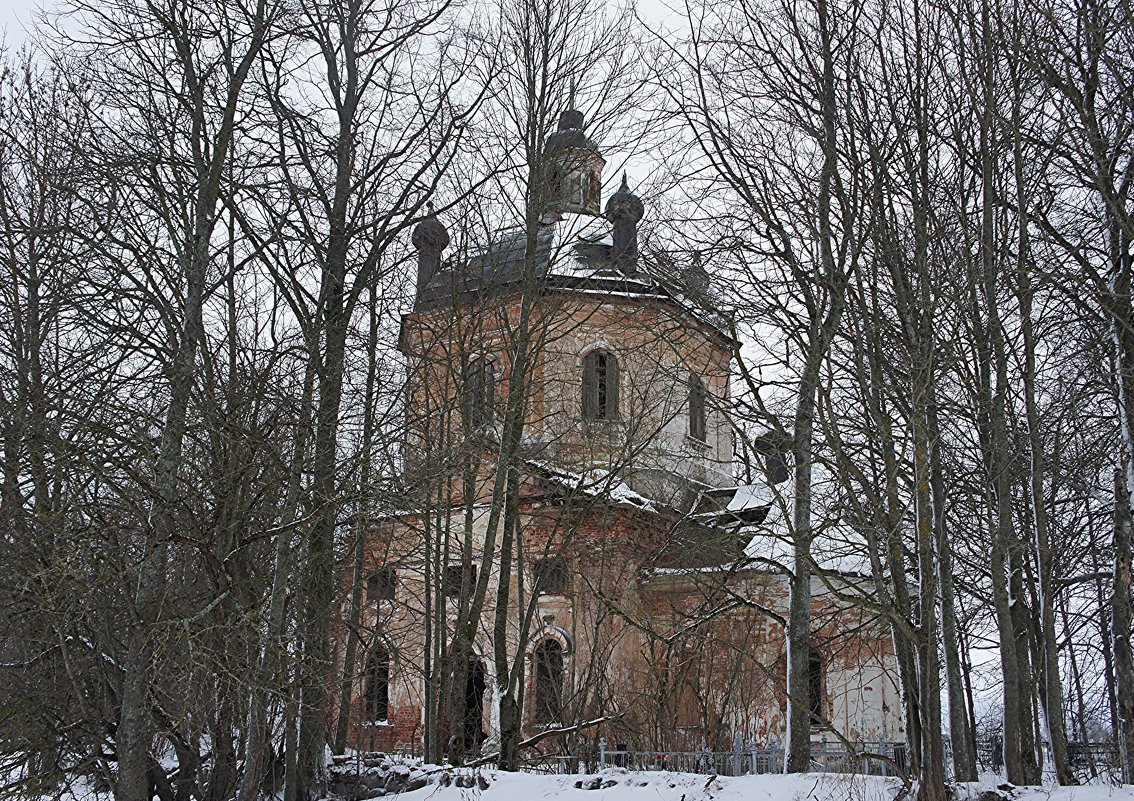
[882,751]
[601,753]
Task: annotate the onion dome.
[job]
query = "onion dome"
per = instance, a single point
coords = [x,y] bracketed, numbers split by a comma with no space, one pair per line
[696,277]
[624,209]
[570,133]
[573,172]
[624,205]
[430,235]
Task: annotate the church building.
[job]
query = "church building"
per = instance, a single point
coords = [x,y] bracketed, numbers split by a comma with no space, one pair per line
[645,584]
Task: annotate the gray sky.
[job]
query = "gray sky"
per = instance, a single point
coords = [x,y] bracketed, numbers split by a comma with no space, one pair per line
[13,15]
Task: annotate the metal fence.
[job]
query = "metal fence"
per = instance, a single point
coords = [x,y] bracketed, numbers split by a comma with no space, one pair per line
[1090,760]
[878,759]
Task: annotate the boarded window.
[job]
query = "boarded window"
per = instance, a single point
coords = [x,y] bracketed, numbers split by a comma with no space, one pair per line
[548,682]
[815,686]
[376,700]
[380,584]
[453,576]
[480,392]
[696,407]
[600,386]
[551,577]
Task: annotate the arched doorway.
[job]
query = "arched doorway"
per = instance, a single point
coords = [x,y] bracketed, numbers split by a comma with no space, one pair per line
[548,683]
[475,685]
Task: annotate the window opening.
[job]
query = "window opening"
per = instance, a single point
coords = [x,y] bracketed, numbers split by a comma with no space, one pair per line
[475,685]
[696,407]
[548,682]
[376,702]
[453,576]
[600,386]
[815,686]
[380,585]
[551,577]
[480,392]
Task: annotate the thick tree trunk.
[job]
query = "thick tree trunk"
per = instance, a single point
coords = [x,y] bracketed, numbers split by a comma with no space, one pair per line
[1123,620]
[1021,619]
[797,758]
[134,733]
[1122,617]
[135,725]
[318,574]
[931,786]
[362,527]
[964,750]
[1049,667]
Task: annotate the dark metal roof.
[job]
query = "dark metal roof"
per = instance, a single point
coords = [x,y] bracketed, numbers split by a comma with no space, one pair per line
[572,253]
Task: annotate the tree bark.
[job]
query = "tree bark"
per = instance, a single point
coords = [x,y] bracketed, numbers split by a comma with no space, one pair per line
[1123,621]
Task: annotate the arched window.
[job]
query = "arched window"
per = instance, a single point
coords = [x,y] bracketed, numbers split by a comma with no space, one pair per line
[548,682]
[696,407]
[815,686]
[600,386]
[555,184]
[480,392]
[575,189]
[376,699]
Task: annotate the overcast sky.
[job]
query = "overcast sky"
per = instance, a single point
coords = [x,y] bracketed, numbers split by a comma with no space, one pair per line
[13,15]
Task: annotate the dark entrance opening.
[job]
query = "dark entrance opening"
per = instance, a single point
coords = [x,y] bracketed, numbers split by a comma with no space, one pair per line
[548,682]
[815,687]
[475,686]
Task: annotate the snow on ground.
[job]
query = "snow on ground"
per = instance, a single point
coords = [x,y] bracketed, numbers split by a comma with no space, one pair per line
[488,784]
[619,785]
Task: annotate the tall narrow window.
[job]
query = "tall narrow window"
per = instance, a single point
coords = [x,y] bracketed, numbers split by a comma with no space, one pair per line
[551,577]
[600,386]
[815,686]
[376,700]
[480,392]
[696,407]
[548,682]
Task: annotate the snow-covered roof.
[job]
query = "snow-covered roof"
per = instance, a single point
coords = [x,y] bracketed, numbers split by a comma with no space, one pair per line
[595,483]
[572,252]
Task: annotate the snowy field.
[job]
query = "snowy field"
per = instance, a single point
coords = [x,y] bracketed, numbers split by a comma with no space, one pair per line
[616,785]
[435,783]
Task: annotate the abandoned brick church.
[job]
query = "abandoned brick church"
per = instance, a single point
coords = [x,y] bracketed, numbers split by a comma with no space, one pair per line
[645,581]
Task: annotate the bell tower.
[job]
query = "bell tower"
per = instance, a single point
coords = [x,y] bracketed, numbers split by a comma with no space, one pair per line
[574,168]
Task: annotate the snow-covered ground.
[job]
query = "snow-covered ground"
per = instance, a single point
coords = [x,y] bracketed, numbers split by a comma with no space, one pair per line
[616,785]
[434,783]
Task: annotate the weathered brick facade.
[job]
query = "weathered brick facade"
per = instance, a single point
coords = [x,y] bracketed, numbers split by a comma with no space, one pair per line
[663,618]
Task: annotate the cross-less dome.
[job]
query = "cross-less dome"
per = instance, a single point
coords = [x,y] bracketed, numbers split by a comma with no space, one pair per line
[429,234]
[624,204]
[570,133]
[573,172]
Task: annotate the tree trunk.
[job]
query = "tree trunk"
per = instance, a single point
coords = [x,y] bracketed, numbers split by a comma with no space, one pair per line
[797,758]
[964,750]
[1123,620]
